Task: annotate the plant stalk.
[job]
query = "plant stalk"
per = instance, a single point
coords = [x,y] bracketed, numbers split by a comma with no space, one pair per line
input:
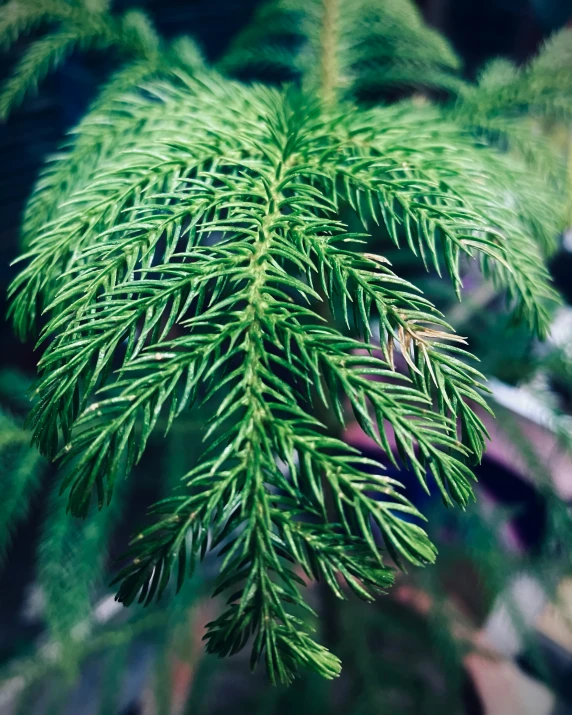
[329,79]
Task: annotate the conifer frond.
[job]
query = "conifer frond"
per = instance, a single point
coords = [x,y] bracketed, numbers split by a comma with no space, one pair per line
[507,98]
[184,250]
[234,239]
[19,18]
[20,470]
[434,199]
[40,59]
[77,25]
[71,564]
[374,45]
[542,87]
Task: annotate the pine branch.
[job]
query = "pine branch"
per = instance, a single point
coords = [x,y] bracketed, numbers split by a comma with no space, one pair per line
[346,48]
[182,251]
[227,240]
[19,18]
[78,25]
[43,57]
[102,452]
[71,567]
[430,196]
[506,93]
[20,469]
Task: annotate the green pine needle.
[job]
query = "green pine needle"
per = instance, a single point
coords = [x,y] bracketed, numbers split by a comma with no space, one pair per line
[190,248]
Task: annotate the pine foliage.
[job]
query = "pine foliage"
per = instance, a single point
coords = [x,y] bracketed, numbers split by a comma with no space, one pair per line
[82,25]
[541,89]
[20,471]
[508,104]
[191,247]
[366,45]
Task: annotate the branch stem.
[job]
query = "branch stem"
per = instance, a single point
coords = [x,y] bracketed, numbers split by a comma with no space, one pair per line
[328,45]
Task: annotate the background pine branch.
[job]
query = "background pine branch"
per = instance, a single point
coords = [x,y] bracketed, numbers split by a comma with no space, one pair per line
[193,245]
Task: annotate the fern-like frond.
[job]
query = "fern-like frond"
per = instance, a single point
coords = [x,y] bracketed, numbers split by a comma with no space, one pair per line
[362,46]
[436,199]
[20,470]
[19,18]
[541,87]
[71,567]
[43,57]
[507,100]
[195,268]
[74,26]
[190,247]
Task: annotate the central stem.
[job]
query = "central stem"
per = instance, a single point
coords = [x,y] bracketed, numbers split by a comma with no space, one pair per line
[328,47]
